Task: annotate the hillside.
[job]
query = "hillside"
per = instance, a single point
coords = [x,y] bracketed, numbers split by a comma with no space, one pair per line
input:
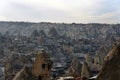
[72,30]
[111,67]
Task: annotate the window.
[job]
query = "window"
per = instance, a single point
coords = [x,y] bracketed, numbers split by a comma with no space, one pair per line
[39,78]
[43,66]
[97,63]
[49,66]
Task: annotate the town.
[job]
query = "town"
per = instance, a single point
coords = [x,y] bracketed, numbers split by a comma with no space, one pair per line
[54,51]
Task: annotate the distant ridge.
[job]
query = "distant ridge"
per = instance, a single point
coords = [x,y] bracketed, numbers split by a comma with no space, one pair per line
[54,22]
[72,30]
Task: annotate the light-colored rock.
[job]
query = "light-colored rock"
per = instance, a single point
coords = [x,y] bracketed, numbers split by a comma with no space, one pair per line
[85,71]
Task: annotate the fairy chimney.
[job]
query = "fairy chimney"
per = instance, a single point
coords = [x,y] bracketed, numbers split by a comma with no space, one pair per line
[111,69]
[89,60]
[85,71]
[97,60]
[42,66]
[75,68]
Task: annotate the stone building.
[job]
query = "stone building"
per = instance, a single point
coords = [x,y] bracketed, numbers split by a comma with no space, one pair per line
[97,61]
[42,66]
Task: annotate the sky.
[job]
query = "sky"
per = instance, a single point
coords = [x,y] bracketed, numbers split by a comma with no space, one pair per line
[67,11]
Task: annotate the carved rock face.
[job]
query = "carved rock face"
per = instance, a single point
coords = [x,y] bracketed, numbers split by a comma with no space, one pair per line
[42,65]
[85,71]
[75,68]
[14,64]
[29,70]
[111,68]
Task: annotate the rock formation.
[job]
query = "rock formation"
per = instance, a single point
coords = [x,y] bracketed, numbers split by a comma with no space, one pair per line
[42,66]
[102,52]
[42,37]
[89,60]
[53,33]
[42,33]
[111,68]
[85,71]
[39,70]
[21,74]
[35,33]
[97,61]
[13,64]
[75,68]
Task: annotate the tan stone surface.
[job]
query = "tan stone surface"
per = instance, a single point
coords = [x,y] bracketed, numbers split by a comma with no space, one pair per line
[42,65]
[85,71]
[111,67]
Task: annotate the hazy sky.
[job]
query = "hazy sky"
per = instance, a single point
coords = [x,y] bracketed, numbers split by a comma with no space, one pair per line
[79,11]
